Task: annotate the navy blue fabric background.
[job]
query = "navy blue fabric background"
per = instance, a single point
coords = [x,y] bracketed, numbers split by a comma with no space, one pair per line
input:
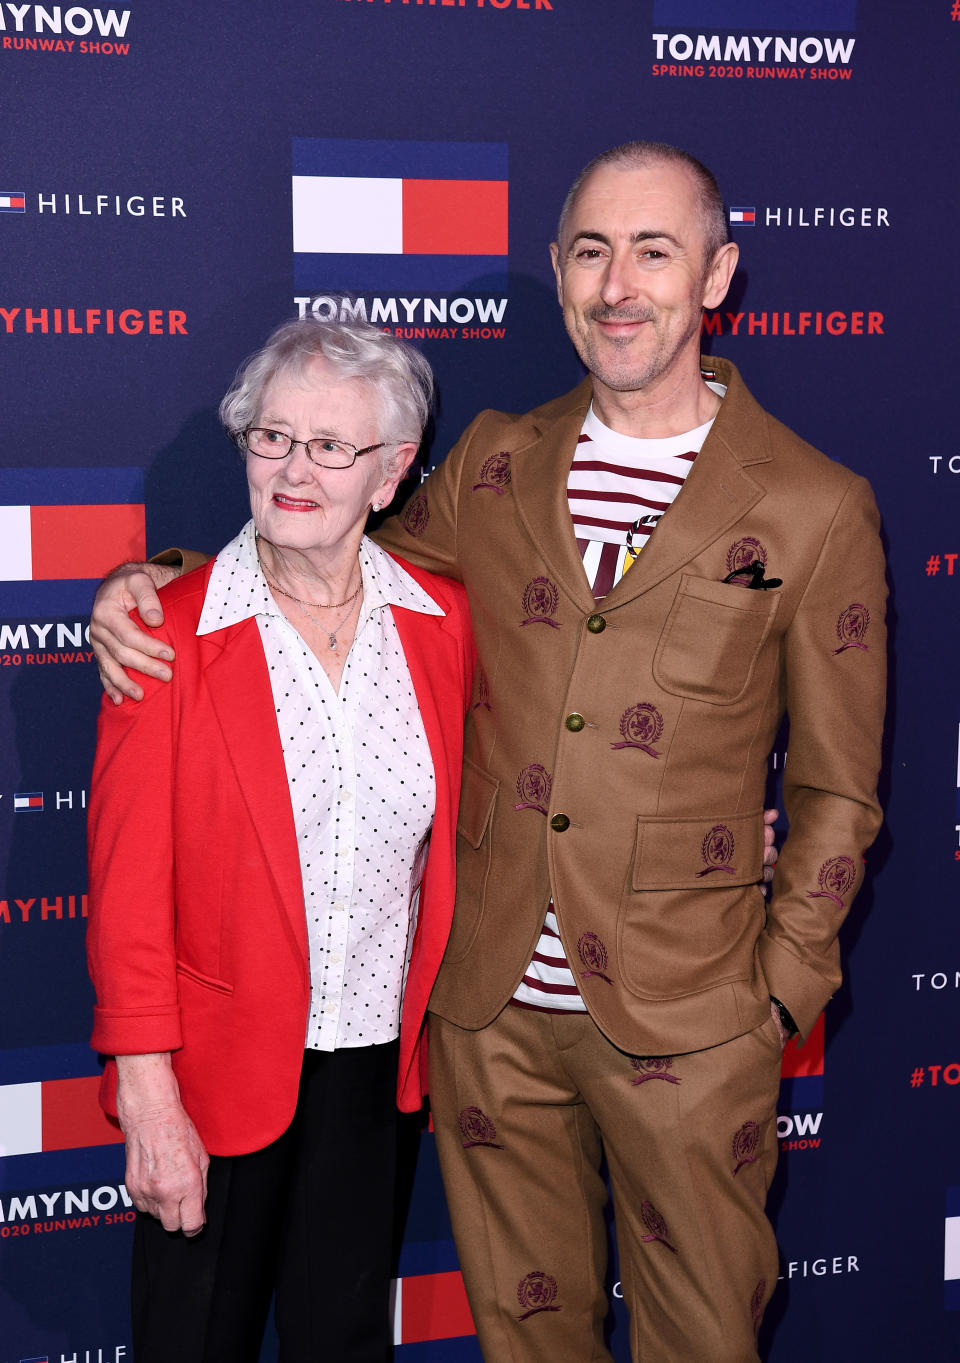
[217,106]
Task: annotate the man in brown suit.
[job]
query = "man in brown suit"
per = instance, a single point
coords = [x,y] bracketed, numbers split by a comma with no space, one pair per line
[616,755]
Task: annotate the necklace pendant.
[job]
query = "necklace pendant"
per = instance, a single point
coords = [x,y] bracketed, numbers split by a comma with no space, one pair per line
[333,643]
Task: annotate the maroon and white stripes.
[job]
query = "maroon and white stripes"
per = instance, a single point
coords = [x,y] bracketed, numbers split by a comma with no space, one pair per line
[548,984]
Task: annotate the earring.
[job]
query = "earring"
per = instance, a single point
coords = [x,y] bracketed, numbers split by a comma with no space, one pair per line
[376,506]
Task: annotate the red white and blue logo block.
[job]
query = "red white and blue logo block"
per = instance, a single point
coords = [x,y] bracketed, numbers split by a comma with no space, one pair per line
[378,215]
[54,1114]
[430,1306]
[66,526]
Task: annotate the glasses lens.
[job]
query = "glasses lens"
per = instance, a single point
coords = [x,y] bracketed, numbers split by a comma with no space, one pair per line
[268,444]
[332,454]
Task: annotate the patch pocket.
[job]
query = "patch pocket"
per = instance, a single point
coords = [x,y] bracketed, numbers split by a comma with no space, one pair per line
[478,798]
[691,913]
[711,640]
[695,854]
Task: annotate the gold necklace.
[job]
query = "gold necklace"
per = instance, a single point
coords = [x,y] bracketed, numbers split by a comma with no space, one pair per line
[319,605]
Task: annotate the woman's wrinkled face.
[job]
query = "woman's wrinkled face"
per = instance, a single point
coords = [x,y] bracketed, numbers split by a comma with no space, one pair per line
[296,504]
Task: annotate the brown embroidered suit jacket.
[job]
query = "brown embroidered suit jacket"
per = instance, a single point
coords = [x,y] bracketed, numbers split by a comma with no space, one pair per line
[616,755]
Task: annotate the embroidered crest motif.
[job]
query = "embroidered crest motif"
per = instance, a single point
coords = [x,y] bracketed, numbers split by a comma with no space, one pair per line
[756,1304]
[653,1067]
[744,552]
[483,692]
[476,1128]
[593,954]
[717,850]
[416,514]
[745,1143]
[540,602]
[495,473]
[851,627]
[641,726]
[537,1292]
[835,878]
[656,1225]
[533,787]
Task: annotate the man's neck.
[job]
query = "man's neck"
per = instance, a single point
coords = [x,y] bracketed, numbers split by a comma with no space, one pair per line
[671,405]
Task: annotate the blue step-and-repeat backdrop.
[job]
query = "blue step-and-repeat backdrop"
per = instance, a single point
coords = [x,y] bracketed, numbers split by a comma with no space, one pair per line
[163,205]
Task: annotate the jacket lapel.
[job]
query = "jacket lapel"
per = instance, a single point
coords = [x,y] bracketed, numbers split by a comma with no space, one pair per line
[539,469]
[239,687]
[716,494]
[423,638]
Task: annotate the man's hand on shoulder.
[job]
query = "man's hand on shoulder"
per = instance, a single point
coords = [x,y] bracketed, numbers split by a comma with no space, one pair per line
[117,642]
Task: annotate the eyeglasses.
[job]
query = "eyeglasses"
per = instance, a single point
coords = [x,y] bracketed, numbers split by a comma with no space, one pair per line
[323,450]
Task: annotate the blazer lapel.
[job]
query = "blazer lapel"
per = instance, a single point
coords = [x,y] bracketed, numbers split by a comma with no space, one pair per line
[539,470]
[716,494]
[239,686]
[718,490]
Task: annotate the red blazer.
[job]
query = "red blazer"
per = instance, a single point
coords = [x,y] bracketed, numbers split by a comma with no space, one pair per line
[197,940]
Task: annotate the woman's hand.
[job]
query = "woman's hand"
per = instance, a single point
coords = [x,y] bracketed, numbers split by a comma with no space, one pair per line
[117,642]
[166,1162]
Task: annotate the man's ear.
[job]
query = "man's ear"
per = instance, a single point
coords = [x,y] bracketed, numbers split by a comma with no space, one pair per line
[555,262]
[719,275]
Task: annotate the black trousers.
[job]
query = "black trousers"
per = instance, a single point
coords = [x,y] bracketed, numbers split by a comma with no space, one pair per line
[310,1217]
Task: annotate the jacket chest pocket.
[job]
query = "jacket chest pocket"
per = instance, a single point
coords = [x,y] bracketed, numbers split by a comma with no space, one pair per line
[712,638]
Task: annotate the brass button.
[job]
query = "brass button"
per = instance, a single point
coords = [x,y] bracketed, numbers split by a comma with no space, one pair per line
[575,722]
[596,624]
[559,823]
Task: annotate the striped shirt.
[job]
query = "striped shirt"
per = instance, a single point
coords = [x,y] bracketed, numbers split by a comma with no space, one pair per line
[618,488]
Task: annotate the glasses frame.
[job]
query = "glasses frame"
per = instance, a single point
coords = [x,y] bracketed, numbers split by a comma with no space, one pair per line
[241,442]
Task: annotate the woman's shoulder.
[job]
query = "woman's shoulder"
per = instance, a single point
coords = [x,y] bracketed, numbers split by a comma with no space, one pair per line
[182,602]
[183,597]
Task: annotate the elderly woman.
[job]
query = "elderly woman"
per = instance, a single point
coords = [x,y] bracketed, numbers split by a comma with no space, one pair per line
[265,919]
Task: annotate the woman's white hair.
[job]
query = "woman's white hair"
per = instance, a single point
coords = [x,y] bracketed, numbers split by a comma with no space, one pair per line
[399,378]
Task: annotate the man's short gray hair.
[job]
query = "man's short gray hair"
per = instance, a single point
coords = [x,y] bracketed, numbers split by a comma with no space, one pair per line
[637,156]
[399,378]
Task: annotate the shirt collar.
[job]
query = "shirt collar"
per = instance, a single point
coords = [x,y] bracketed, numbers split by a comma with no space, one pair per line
[660,447]
[238,590]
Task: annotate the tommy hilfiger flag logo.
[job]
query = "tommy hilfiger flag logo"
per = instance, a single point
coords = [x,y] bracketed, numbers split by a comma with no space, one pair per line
[743,217]
[367,213]
[28,802]
[61,526]
[54,1114]
[13,201]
